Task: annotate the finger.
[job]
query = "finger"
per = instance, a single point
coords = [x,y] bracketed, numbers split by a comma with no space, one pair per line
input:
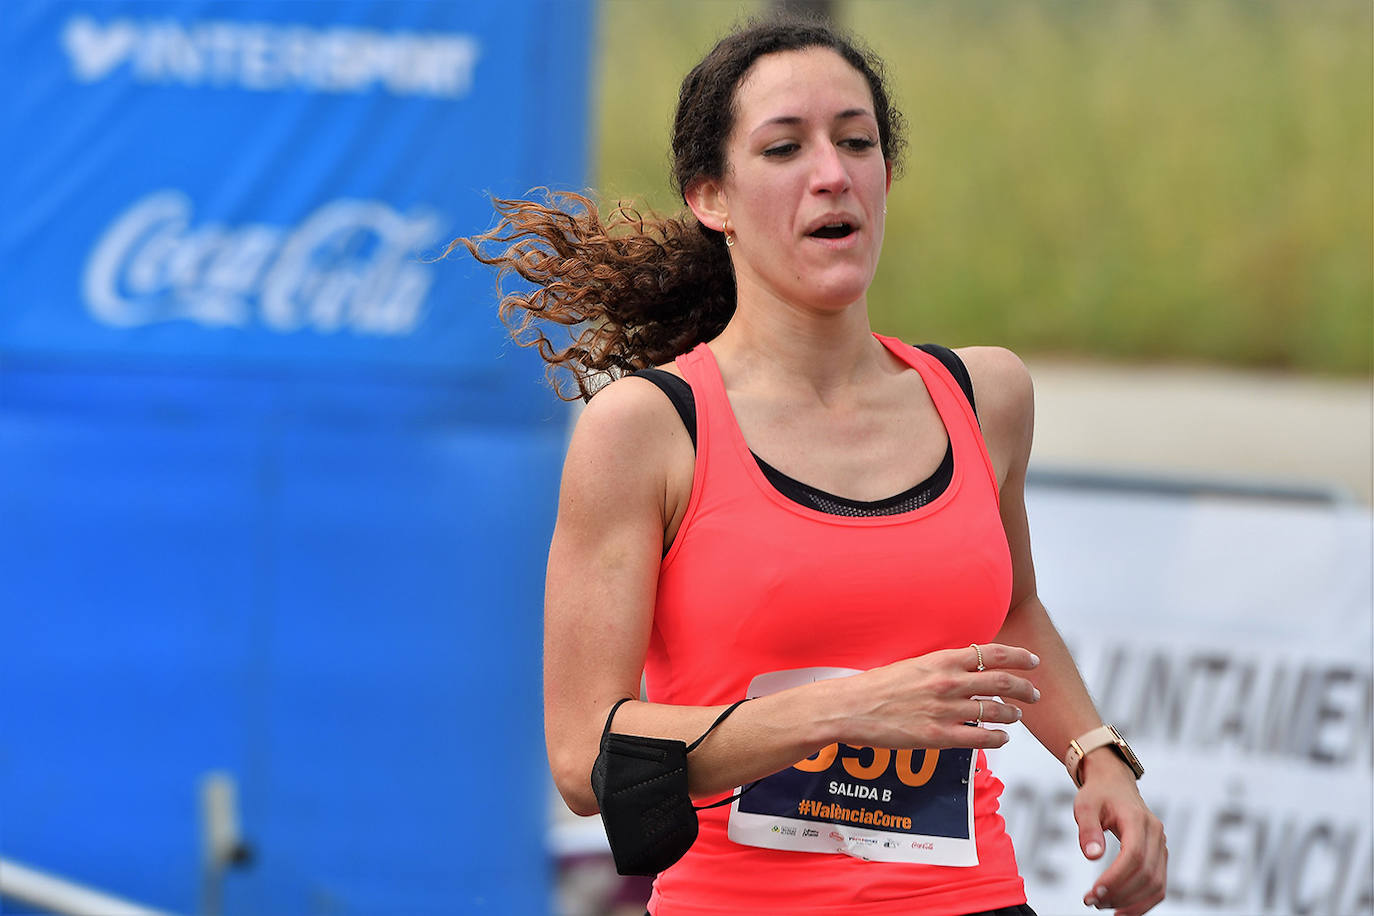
[1123,869]
[989,711]
[1160,885]
[1003,684]
[1129,892]
[1140,894]
[1125,873]
[1147,887]
[997,655]
[970,735]
[1091,839]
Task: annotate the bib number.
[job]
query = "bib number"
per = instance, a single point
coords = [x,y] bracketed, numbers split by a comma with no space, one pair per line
[872,803]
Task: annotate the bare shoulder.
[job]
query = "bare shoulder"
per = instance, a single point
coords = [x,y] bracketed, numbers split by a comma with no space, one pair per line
[625,423]
[630,407]
[1006,403]
[626,444]
[998,375]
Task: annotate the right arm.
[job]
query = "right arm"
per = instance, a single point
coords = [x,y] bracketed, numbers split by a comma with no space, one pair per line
[617,499]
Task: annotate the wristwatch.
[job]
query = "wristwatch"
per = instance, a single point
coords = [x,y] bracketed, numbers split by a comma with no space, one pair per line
[1102,736]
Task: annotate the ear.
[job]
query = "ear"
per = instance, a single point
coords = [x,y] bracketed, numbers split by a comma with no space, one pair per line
[707,199]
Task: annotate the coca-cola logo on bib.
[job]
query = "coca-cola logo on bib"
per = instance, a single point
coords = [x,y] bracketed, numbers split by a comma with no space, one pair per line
[350,266]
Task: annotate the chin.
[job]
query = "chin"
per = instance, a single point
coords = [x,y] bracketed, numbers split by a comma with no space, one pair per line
[834,296]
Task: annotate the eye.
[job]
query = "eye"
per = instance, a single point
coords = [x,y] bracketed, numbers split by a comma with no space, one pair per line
[859,144]
[781,149]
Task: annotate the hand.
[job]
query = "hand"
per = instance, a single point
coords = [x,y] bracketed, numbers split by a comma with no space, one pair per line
[1135,882]
[936,700]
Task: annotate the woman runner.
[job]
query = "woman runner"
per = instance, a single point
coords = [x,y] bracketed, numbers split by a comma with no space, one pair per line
[775,503]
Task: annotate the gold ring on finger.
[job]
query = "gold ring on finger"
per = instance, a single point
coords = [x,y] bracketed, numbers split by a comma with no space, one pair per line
[979,653]
[980,713]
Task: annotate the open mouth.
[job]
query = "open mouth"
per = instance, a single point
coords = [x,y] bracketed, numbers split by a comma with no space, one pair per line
[833,231]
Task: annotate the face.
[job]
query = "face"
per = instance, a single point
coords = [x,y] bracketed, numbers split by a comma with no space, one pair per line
[805,183]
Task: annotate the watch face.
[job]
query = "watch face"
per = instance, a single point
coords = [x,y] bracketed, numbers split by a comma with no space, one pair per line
[1127,754]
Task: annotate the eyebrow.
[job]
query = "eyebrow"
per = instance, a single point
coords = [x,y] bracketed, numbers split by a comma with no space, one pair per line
[795,119]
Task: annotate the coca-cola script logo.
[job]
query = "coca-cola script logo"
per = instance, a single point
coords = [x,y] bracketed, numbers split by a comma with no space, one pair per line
[349,266]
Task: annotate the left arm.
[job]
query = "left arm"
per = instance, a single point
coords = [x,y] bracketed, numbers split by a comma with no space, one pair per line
[1109,799]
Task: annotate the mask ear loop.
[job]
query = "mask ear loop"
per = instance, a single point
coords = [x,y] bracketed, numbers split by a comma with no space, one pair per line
[618,703]
[691,747]
[719,719]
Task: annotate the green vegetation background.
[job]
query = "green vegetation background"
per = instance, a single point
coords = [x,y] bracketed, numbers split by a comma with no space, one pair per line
[1126,179]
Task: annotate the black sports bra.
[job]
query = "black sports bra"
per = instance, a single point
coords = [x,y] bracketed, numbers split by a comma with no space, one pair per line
[680,393]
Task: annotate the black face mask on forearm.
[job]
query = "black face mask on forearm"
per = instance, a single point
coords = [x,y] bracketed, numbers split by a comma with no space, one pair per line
[641,785]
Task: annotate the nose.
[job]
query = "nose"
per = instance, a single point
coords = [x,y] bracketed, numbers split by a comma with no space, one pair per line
[828,172]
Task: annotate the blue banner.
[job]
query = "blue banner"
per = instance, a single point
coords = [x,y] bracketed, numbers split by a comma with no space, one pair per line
[266,183]
[274,485]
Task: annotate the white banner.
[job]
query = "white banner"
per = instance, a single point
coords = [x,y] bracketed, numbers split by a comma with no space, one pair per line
[1230,641]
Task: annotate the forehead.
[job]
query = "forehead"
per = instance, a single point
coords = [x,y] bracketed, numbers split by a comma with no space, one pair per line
[810,83]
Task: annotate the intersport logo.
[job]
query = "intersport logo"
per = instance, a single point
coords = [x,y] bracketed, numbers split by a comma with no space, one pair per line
[271,56]
[350,266]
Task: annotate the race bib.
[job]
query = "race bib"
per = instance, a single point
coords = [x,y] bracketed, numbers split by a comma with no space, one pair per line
[871,803]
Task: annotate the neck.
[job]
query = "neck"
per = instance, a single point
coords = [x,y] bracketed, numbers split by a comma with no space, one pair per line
[770,341]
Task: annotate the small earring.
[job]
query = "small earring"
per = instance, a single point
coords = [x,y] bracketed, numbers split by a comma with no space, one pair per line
[729,240]
[884,209]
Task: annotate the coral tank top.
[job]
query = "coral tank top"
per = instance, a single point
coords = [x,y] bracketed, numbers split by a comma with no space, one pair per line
[759,593]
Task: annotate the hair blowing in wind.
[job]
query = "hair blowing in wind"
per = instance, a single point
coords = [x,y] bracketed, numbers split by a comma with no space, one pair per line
[646,289]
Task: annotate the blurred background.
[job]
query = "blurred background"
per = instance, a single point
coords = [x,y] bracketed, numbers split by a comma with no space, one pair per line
[275,492]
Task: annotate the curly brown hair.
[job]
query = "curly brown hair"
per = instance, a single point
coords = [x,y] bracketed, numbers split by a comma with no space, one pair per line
[647,289]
